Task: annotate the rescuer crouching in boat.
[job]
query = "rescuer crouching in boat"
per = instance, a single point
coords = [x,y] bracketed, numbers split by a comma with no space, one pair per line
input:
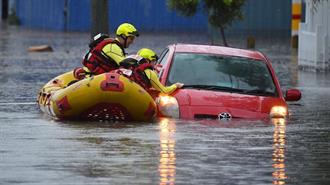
[141,69]
[106,53]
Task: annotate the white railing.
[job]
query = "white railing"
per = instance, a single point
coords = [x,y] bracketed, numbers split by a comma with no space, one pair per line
[314,37]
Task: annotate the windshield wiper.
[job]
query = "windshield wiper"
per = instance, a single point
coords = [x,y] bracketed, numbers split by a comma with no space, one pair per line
[213,87]
[260,92]
[230,89]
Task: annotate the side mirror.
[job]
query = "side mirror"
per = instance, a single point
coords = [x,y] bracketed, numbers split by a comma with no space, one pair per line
[292,95]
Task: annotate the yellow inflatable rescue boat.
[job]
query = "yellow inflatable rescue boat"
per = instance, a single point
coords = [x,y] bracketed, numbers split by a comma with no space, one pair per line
[108,97]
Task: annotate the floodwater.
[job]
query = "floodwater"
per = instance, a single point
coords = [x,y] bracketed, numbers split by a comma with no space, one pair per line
[35,149]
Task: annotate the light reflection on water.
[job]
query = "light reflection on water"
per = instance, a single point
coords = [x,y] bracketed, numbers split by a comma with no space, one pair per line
[167,162]
[279,174]
[35,149]
[167,168]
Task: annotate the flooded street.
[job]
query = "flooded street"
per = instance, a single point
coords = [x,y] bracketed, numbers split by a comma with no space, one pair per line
[34,149]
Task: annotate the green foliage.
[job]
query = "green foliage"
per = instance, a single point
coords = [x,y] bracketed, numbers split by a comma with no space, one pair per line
[220,13]
[12,18]
[228,2]
[184,7]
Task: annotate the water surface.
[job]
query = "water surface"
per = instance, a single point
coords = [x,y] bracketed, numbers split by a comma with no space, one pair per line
[35,149]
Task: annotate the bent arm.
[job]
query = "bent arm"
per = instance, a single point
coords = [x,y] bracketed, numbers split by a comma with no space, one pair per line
[155,83]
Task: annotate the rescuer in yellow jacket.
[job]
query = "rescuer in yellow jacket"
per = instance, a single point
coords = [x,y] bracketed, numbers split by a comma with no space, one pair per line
[106,53]
[125,36]
[152,57]
[143,71]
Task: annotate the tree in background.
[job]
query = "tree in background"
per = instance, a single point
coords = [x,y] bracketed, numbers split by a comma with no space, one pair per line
[221,13]
[99,11]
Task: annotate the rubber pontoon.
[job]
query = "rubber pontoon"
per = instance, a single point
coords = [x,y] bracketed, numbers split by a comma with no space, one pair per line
[109,96]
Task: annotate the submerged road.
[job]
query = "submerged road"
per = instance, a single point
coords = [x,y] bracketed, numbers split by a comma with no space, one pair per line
[35,149]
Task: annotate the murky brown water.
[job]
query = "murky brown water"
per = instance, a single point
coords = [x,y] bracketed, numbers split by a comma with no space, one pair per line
[37,150]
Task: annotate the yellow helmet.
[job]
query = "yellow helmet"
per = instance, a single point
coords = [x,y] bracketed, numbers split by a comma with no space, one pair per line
[127,30]
[148,54]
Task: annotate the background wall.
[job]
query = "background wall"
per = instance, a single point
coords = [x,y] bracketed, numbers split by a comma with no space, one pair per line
[261,16]
[265,17]
[40,13]
[1,9]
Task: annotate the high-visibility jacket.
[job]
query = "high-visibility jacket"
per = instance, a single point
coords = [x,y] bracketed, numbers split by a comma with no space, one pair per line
[142,72]
[104,56]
